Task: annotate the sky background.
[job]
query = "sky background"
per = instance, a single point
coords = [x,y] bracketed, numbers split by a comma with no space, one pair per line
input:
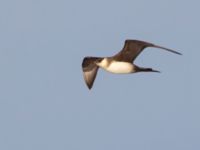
[44,102]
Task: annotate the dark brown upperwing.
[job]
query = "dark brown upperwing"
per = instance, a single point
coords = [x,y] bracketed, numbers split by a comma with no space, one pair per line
[90,70]
[132,48]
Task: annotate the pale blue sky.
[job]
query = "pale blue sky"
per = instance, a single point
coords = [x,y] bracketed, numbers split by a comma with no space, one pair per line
[44,102]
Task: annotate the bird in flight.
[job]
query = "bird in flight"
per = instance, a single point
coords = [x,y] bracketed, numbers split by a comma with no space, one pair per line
[121,63]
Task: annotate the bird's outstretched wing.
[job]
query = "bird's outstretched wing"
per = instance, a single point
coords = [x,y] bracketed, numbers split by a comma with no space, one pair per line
[90,70]
[132,48]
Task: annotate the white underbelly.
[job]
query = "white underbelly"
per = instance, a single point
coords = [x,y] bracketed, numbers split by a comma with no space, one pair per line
[120,67]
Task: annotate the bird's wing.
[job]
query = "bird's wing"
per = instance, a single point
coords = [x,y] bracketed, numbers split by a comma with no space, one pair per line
[90,70]
[132,48]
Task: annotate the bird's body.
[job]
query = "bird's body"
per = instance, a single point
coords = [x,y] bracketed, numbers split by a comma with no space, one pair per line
[118,67]
[121,63]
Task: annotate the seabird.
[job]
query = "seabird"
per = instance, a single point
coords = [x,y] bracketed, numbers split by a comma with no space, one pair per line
[121,63]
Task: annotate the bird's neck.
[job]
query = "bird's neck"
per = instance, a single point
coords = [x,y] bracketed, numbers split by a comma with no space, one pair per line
[104,63]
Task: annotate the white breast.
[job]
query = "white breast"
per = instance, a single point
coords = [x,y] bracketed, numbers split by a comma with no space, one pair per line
[120,67]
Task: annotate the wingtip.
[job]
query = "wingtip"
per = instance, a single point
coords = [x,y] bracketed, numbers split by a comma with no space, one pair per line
[170,50]
[89,87]
[88,84]
[178,53]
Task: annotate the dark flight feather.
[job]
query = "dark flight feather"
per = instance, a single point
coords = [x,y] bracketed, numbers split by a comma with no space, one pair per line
[132,48]
[90,70]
